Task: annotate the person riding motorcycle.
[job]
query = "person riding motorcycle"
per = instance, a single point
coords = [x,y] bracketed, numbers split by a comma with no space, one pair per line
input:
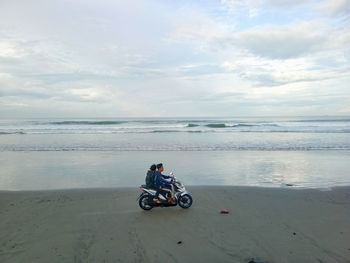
[150,181]
[150,176]
[163,182]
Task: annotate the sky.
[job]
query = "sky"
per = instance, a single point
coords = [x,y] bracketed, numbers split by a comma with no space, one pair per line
[165,58]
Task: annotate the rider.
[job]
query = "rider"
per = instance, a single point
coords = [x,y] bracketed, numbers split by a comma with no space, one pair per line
[163,182]
[150,181]
[150,177]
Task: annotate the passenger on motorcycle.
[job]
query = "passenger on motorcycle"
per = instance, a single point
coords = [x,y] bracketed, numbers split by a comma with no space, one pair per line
[150,181]
[163,182]
[151,176]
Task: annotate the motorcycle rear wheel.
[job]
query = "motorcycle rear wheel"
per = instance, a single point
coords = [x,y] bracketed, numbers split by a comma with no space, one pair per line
[144,202]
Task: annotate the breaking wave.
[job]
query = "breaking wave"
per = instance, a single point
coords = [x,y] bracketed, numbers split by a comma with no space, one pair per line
[87,122]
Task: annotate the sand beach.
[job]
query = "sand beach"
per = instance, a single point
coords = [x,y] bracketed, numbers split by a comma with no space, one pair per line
[106,225]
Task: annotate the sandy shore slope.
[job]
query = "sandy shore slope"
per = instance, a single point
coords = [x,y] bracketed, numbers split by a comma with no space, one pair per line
[106,225]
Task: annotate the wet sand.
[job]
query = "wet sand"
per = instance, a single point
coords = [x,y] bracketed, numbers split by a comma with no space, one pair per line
[106,225]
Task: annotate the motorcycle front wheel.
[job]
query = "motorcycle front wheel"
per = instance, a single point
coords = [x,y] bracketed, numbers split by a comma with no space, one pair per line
[185,201]
[144,202]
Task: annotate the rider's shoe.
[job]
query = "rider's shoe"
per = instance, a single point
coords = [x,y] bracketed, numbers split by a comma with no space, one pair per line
[171,200]
[156,200]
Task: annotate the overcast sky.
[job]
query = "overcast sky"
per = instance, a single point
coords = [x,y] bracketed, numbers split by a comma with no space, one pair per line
[165,58]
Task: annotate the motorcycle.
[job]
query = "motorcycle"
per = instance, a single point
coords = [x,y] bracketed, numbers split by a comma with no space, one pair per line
[181,196]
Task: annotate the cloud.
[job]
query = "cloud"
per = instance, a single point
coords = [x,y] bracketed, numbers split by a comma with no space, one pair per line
[271,41]
[9,50]
[275,55]
[263,72]
[336,7]
[166,58]
[254,8]
[281,42]
[192,25]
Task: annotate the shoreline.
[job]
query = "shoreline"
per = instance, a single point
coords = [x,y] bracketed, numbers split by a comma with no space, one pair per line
[284,187]
[107,225]
[62,170]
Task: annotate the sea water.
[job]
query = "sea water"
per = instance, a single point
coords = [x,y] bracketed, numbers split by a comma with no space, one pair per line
[273,152]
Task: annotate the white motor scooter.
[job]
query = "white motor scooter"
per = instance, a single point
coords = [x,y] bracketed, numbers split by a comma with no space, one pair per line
[181,196]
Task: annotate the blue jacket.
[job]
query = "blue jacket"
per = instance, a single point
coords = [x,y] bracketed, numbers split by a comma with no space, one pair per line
[159,179]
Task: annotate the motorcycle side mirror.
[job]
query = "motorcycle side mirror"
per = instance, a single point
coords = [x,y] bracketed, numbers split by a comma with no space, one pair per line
[171,173]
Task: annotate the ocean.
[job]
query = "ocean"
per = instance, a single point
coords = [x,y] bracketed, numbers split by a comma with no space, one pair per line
[82,153]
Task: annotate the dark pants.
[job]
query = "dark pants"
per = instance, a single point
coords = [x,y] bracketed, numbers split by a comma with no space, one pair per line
[161,190]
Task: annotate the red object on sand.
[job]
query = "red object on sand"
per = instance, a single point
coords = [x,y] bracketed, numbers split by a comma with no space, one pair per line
[224,211]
